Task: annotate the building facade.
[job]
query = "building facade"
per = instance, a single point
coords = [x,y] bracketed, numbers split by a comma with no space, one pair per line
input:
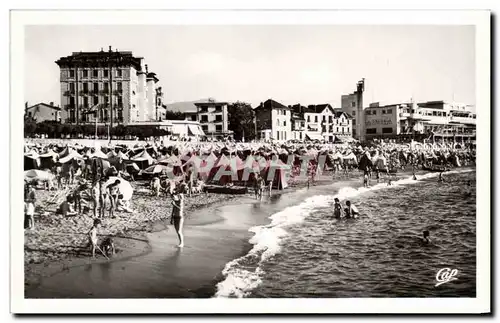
[213,117]
[43,112]
[437,118]
[320,122]
[273,121]
[111,87]
[352,104]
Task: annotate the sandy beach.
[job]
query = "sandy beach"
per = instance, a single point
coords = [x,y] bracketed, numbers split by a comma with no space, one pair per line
[216,231]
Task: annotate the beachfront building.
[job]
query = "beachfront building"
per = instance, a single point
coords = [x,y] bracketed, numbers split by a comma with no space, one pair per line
[352,105]
[213,117]
[110,87]
[178,129]
[43,112]
[321,122]
[211,114]
[273,121]
[436,119]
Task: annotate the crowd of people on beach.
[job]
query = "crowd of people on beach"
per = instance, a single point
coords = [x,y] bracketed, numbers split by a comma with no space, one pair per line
[92,179]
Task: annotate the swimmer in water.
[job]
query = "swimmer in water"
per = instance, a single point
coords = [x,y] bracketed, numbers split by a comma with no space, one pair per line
[351,212]
[441,179]
[389,183]
[425,239]
[414,176]
[337,209]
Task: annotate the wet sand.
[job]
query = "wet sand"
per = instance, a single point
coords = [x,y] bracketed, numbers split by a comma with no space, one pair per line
[150,265]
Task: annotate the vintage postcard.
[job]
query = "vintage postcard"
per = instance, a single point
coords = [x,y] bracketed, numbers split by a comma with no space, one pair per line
[250,161]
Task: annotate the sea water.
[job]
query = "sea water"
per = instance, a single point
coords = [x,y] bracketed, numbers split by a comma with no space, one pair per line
[305,252]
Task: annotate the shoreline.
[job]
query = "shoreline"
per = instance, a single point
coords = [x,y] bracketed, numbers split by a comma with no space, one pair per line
[134,242]
[203,220]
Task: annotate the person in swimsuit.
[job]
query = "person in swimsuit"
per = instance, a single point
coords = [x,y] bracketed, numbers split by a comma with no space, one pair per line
[177,218]
[95,195]
[102,199]
[337,209]
[365,180]
[441,179]
[351,212]
[113,192]
[92,234]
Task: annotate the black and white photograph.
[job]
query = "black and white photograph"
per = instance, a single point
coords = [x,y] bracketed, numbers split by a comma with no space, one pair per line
[220,158]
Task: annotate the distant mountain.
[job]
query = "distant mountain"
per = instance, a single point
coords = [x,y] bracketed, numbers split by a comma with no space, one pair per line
[185,106]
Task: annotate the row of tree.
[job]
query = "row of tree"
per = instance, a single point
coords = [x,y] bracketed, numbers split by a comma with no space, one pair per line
[240,118]
[53,129]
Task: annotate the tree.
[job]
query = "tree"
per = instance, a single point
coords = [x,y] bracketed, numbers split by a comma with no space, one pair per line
[174,115]
[241,120]
[29,127]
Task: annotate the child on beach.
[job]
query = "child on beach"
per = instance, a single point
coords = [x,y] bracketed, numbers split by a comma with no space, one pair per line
[92,234]
[365,180]
[351,211]
[29,200]
[65,208]
[337,209]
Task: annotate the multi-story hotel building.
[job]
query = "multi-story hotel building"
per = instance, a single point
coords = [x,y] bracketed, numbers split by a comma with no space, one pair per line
[439,118]
[213,117]
[273,121]
[112,87]
[321,122]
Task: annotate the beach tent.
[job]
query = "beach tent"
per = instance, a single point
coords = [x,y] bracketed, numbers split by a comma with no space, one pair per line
[280,170]
[72,155]
[31,160]
[157,169]
[143,159]
[125,188]
[98,154]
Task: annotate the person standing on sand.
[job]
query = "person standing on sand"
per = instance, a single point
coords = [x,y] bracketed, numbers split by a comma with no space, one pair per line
[95,195]
[177,218]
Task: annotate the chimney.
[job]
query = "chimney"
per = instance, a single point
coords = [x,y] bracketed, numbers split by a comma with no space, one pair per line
[51,104]
[146,66]
[110,49]
[102,50]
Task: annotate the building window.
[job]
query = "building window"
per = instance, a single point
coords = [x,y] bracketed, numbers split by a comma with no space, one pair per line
[106,73]
[371,131]
[342,129]
[204,118]
[354,121]
[72,87]
[96,87]
[85,101]
[337,129]
[106,87]
[95,73]
[204,109]
[353,104]
[29,114]
[386,130]
[218,108]
[389,111]
[119,86]
[324,118]
[118,73]
[85,73]
[353,113]
[71,73]
[284,123]
[315,118]
[85,87]
[96,100]
[218,128]
[330,120]
[120,101]
[205,128]
[193,117]
[218,117]
[308,118]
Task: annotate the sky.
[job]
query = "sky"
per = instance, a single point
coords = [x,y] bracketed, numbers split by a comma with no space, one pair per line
[290,64]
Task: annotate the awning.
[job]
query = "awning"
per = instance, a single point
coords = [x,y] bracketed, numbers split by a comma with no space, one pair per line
[195,130]
[312,136]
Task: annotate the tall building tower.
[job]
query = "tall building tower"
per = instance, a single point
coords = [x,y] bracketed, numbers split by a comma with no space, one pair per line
[107,87]
[352,104]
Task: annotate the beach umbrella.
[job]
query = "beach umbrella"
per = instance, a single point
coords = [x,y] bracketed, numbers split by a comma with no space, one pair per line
[36,174]
[99,154]
[156,169]
[71,156]
[125,188]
